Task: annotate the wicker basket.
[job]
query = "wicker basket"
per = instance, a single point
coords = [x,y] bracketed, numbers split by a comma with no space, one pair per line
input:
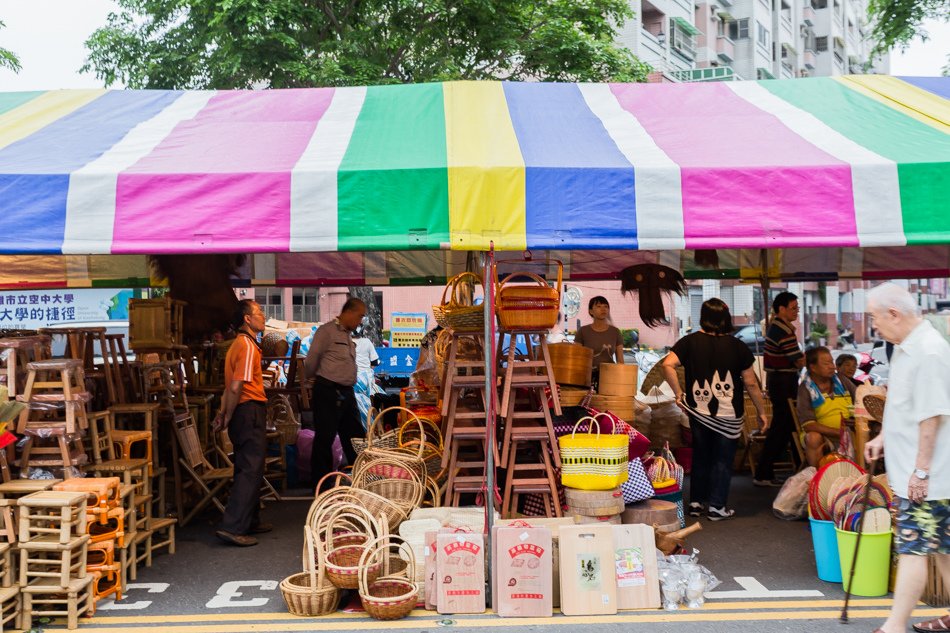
[459,313]
[347,534]
[310,593]
[392,479]
[412,458]
[281,416]
[392,596]
[531,306]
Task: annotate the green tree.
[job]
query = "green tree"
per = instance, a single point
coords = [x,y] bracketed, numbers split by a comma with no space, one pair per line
[305,43]
[7,58]
[897,22]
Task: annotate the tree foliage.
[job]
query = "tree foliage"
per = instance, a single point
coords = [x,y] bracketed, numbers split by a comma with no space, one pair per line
[304,43]
[7,58]
[897,22]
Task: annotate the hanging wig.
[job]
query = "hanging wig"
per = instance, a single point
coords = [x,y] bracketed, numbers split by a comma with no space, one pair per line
[650,282]
[706,259]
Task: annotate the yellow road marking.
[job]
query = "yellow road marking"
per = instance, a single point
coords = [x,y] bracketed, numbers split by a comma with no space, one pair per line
[709,606]
[315,624]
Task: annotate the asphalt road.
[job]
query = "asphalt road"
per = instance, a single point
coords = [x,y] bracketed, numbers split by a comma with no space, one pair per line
[766,566]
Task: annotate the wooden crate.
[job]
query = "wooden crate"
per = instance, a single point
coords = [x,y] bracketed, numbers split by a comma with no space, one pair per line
[155,323]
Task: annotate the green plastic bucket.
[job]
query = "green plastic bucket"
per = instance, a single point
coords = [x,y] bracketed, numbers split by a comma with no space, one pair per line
[873,567]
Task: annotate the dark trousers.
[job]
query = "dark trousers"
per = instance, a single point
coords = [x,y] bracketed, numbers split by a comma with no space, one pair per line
[778,439]
[713,455]
[334,412]
[248,434]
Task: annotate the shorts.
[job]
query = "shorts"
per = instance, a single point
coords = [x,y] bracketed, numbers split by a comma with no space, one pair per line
[922,528]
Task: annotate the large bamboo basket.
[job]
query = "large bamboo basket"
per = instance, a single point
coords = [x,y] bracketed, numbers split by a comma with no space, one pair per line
[621,406]
[310,593]
[456,310]
[617,380]
[344,551]
[393,596]
[572,363]
[532,306]
[572,397]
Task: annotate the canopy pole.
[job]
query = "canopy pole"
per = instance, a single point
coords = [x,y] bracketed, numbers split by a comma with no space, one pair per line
[764,283]
[488,280]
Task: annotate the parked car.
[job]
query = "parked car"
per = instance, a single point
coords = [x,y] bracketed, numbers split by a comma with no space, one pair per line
[751,335]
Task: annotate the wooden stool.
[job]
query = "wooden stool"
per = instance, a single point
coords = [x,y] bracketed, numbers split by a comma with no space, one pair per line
[466,466]
[103,494]
[52,447]
[8,527]
[70,601]
[11,608]
[162,526]
[7,572]
[81,345]
[47,561]
[62,514]
[532,370]
[532,477]
[126,432]
[16,354]
[99,555]
[127,387]
[105,583]
[155,323]
[51,385]
[112,529]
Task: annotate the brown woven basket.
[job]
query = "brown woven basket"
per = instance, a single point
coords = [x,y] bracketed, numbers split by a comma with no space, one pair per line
[392,479]
[412,458]
[456,310]
[310,594]
[344,549]
[528,307]
[280,415]
[390,597]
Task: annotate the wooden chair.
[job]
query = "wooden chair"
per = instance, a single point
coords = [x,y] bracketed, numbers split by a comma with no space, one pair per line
[207,479]
[798,439]
[132,470]
[225,450]
[751,436]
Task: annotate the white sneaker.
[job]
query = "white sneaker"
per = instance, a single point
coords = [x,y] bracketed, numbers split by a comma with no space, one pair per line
[719,514]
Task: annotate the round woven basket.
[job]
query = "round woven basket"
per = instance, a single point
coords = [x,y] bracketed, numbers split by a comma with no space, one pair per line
[412,458]
[309,593]
[392,479]
[344,551]
[457,310]
[392,596]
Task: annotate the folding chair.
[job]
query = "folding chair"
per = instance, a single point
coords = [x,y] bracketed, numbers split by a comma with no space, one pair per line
[226,450]
[751,437]
[798,434]
[209,480]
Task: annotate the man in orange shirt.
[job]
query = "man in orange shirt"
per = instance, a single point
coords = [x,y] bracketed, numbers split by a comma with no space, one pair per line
[243,413]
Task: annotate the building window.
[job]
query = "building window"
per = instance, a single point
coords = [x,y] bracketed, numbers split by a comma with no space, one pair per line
[739,29]
[270,300]
[306,305]
[821,44]
[819,4]
[681,40]
[763,37]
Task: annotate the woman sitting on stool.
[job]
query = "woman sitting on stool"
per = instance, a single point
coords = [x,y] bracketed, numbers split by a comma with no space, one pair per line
[825,398]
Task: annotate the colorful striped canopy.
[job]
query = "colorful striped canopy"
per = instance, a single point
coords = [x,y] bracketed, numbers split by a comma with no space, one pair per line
[821,162]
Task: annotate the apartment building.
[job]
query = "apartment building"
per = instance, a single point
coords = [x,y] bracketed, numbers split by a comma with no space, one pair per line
[726,40]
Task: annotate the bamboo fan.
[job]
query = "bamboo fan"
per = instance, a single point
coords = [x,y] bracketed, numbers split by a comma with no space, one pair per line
[875,406]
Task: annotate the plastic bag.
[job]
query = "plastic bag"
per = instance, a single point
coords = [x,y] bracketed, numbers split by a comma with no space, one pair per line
[791,502]
[684,581]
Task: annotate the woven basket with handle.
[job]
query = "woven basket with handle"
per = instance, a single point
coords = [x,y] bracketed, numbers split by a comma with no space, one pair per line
[393,595]
[345,550]
[456,310]
[310,593]
[532,306]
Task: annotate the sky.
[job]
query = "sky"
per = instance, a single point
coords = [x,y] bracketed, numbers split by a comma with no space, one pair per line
[51,51]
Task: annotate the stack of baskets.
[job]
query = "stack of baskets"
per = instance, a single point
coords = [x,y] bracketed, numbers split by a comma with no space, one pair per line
[457,310]
[531,306]
[310,593]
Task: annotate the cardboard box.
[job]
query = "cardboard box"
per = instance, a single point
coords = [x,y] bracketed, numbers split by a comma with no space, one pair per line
[523,572]
[460,576]
[588,576]
[638,583]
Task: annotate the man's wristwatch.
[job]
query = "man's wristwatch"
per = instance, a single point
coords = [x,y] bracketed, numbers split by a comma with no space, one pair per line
[921,474]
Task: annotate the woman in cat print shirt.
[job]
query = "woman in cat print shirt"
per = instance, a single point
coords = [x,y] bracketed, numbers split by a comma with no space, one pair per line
[718,366]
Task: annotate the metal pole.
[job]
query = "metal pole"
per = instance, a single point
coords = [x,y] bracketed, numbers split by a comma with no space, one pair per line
[488,279]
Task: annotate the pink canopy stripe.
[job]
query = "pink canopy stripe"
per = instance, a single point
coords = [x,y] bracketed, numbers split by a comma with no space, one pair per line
[767,181]
[225,174]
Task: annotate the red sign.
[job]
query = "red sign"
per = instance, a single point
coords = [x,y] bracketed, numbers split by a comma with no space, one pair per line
[526,548]
[456,546]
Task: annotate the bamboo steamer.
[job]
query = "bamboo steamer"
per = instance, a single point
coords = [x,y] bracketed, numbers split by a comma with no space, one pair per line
[572,363]
[652,512]
[617,380]
[621,406]
[572,397]
[594,502]
[583,519]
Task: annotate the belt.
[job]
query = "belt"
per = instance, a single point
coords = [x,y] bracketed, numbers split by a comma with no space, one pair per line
[326,382]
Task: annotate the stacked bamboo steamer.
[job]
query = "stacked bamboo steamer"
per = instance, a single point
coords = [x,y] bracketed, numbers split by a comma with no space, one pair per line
[595,506]
[572,371]
[616,390]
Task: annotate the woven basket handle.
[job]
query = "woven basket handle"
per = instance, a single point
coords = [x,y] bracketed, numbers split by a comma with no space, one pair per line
[456,284]
[314,553]
[380,544]
[613,427]
[593,421]
[353,514]
[378,421]
[560,272]
[425,422]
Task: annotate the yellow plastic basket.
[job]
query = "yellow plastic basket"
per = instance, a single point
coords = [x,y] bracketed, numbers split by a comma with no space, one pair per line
[593,462]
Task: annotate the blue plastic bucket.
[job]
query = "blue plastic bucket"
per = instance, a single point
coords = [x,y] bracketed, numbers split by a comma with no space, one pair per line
[825,542]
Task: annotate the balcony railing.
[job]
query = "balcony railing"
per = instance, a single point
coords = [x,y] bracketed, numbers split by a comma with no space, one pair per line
[718,73]
[809,59]
[808,15]
[725,48]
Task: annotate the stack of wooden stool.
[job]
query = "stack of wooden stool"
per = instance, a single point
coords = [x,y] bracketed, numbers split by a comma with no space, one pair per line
[16,354]
[105,524]
[466,435]
[10,599]
[53,550]
[55,415]
[529,448]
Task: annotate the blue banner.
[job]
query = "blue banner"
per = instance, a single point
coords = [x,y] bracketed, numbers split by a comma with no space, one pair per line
[397,361]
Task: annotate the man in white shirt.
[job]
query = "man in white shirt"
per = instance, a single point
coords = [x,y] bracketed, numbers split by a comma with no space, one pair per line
[915,439]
